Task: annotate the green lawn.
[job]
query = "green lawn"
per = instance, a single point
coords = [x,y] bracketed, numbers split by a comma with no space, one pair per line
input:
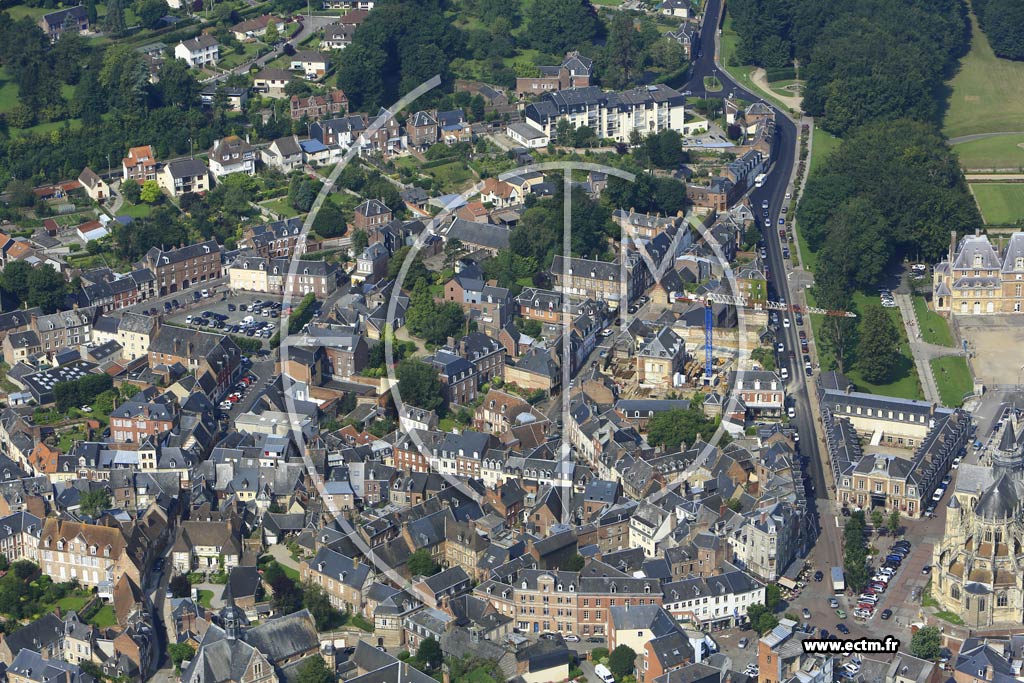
[205,596]
[934,328]
[233,59]
[135,210]
[8,90]
[999,152]
[1000,203]
[904,382]
[987,92]
[72,602]
[74,124]
[104,618]
[453,176]
[953,379]
[20,11]
[822,144]
[281,207]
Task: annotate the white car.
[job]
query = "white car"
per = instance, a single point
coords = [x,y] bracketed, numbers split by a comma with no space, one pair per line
[784,373]
[785,323]
[780,347]
[205,293]
[791,412]
[572,638]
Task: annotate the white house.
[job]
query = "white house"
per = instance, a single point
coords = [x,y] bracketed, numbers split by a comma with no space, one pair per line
[199,51]
[312,64]
[232,155]
[719,599]
[284,154]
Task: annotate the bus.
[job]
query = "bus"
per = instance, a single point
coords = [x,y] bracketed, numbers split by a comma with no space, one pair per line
[759,180]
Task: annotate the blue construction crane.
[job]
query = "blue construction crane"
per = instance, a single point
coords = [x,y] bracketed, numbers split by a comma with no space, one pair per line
[742,302]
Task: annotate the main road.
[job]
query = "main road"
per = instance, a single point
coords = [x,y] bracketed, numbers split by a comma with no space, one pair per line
[774,191]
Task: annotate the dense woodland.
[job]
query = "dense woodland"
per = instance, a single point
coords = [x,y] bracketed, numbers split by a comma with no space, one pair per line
[1003,23]
[862,61]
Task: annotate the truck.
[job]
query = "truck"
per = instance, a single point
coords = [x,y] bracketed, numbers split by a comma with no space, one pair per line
[759,180]
[838,580]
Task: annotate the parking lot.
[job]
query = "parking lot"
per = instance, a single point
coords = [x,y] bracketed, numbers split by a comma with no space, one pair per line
[234,314]
[902,596]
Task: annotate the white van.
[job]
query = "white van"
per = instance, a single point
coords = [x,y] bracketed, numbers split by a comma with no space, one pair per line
[604,674]
[248,320]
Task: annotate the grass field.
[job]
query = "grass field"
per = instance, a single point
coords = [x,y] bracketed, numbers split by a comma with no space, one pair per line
[934,328]
[904,382]
[135,210]
[822,144]
[1000,203]
[72,602]
[987,92]
[952,378]
[1000,152]
[281,207]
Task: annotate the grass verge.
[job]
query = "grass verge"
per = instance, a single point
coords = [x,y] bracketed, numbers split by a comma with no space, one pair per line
[953,379]
[934,328]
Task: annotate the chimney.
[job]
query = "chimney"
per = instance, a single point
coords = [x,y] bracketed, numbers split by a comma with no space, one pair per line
[952,245]
[451,343]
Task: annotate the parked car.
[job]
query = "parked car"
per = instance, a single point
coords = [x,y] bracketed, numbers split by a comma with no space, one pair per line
[819,575]
[886,614]
[743,643]
[842,628]
[572,638]
[806,613]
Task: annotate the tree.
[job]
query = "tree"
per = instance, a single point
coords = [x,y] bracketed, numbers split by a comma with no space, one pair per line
[420,563]
[46,288]
[766,622]
[150,192]
[180,587]
[556,26]
[314,670]
[877,518]
[674,427]
[1003,23]
[894,522]
[926,643]
[94,501]
[271,36]
[772,597]
[114,21]
[429,653]
[151,12]
[316,600]
[622,661]
[360,240]
[878,345]
[180,652]
[430,320]
[755,612]
[131,191]
[622,50]
[330,221]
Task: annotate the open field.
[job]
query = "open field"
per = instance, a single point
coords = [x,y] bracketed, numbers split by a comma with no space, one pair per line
[952,378]
[1000,152]
[1000,203]
[987,92]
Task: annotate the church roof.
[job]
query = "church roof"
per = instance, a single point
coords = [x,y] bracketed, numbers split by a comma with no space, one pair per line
[999,501]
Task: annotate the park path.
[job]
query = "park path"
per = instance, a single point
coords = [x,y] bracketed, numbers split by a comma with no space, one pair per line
[922,351]
[981,136]
[760,78]
[994,177]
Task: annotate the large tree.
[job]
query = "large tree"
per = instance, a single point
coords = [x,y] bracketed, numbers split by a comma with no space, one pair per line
[622,661]
[926,643]
[877,345]
[314,670]
[419,385]
[555,26]
[673,428]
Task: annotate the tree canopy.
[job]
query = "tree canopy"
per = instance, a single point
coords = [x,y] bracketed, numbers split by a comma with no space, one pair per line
[863,61]
[621,661]
[556,26]
[674,427]
[419,384]
[877,345]
[1003,23]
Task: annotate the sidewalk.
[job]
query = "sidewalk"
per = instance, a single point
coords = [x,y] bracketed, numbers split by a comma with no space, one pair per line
[922,351]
